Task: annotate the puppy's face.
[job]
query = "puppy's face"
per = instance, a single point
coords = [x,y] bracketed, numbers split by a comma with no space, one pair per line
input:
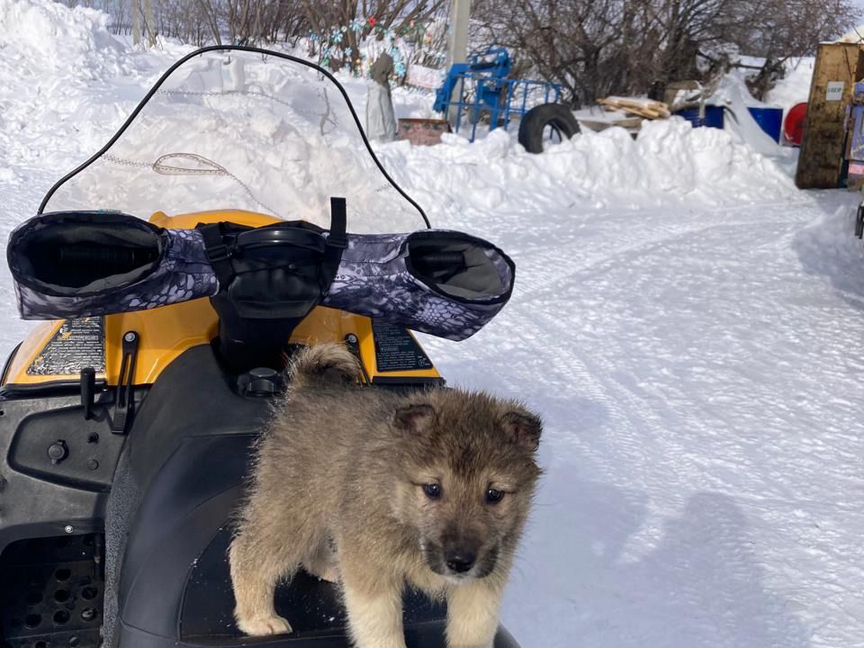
[468,477]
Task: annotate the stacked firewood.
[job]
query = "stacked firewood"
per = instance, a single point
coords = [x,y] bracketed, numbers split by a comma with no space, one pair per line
[646,108]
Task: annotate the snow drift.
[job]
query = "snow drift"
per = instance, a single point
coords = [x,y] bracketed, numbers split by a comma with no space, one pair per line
[670,163]
[67,82]
[40,36]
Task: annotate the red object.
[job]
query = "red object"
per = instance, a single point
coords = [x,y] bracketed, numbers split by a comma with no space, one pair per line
[373,21]
[793,125]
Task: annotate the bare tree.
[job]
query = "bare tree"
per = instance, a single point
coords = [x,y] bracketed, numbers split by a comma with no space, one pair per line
[340,25]
[599,47]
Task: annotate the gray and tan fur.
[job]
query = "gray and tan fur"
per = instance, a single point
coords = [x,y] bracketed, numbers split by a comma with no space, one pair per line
[345,486]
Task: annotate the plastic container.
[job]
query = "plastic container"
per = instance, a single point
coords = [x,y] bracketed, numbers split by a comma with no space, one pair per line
[770,120]
[713,116]
[793,127]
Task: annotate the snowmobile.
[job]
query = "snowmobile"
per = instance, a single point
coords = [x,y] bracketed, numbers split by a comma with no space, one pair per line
[128,417]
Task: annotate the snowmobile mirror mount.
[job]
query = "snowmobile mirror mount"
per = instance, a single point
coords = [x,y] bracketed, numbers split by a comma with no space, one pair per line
[124,404]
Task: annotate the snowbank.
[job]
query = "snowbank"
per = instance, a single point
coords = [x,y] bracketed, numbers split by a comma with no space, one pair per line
[40,36]
[67,83]
[669,163]
[827,248]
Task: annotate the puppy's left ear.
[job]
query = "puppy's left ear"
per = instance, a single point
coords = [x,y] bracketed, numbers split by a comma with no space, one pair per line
[414,418]
[522,428]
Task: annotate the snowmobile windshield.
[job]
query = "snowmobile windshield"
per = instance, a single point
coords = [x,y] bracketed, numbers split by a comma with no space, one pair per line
[241,128]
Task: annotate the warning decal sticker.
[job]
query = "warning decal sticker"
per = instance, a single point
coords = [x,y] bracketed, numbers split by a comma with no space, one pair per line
[78,344]
[396,349]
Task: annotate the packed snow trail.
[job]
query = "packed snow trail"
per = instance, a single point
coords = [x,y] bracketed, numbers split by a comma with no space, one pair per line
[700,374]
[689,324]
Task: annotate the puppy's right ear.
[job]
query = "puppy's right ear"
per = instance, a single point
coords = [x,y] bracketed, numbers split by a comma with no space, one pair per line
[523,428]
[414,418]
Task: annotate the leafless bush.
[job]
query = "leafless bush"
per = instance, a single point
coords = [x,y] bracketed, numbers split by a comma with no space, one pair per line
[595,48]
[246,22]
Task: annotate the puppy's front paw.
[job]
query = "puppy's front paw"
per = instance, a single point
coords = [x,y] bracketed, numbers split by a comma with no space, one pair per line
[260,626]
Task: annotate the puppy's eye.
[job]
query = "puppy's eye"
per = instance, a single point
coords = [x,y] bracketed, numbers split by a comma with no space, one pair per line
[433,491]
[494,496]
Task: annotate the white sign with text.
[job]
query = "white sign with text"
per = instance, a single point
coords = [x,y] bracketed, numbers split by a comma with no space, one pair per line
[835,91]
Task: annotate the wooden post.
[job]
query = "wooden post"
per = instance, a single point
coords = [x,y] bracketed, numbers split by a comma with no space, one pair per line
[820,163]
[460,14]
[136,22]
[457,52]
[150,22]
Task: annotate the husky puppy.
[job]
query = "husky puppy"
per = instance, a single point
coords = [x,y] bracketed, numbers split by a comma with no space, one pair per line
[378,490]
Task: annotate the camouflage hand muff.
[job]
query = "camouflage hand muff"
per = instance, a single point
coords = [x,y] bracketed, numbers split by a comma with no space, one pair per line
[79,264]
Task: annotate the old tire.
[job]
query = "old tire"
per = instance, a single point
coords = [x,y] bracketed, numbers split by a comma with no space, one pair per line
[536,120]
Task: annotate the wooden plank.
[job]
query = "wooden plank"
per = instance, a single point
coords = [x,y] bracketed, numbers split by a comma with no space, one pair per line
[642,107]
[821,159]
[650,109]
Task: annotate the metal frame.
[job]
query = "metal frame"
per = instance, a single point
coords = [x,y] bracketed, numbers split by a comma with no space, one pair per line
[518,91]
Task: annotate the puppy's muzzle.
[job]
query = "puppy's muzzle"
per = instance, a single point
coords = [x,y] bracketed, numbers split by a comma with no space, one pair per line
[460,560]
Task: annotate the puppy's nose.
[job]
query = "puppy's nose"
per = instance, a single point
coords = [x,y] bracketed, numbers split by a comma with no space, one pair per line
[460,561]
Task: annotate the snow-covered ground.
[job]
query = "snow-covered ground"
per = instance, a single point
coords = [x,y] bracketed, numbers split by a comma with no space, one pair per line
[689,324]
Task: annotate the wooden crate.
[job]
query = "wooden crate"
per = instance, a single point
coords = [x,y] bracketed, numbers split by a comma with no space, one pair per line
[820,163]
